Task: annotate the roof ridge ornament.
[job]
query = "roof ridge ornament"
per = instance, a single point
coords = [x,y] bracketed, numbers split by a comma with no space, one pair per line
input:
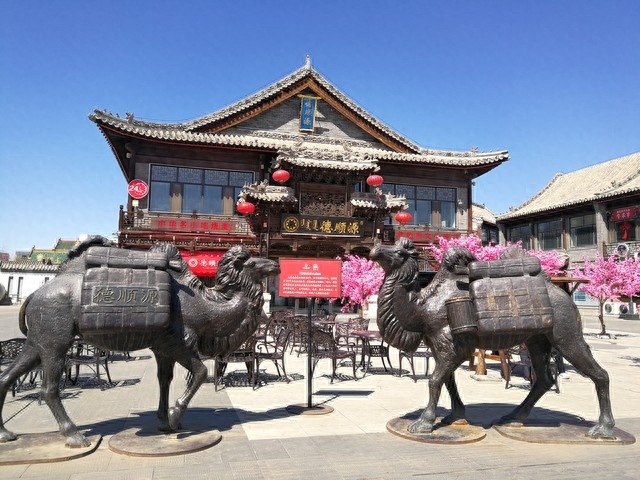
[307,62]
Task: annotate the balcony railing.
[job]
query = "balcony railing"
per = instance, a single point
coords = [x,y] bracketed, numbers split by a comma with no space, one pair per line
[141,220]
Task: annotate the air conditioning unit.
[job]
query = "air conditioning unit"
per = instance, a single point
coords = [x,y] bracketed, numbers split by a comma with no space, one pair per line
[618,309]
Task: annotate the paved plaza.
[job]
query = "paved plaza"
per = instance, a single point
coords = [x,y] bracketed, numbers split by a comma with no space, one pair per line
[261,439]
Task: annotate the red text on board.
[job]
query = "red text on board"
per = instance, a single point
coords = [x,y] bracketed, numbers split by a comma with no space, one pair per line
[310,278]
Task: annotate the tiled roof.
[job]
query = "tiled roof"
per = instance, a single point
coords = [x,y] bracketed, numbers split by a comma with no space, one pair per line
[306,71]
[27,266]
[598,182]
[483,214]
[187,133]
[163,132]
[380,201]
[268,193]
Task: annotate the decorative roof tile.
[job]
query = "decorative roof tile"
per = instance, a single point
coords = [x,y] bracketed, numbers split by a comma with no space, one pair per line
[268,193]
[378,201]
[187,133]
[28,266]
[615,177]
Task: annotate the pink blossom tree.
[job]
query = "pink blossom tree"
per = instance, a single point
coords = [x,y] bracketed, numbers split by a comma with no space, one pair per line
[551,261]
[361,278]
[609,279]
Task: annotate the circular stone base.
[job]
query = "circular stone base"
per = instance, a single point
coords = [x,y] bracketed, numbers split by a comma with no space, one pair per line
[43,448]
[146,442]
[445,434]
[304,409]
[541,431]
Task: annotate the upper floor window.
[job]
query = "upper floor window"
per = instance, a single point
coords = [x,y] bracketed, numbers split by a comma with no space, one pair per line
[188,190]
[433,206]
[549,235]
[582,230]
[521,233]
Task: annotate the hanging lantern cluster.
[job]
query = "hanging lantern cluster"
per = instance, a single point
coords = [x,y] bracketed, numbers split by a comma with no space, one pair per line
[403,217]
[281,176]
[374,180]
[245,208]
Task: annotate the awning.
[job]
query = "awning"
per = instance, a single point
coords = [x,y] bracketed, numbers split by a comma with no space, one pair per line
[203,264]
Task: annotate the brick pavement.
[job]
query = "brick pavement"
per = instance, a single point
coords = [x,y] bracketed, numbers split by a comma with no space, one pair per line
[262,440]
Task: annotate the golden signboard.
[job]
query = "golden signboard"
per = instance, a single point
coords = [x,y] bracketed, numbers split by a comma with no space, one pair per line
[318,225]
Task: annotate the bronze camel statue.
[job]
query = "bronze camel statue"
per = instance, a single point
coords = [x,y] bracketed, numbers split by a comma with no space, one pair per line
[407,315]
[214,321]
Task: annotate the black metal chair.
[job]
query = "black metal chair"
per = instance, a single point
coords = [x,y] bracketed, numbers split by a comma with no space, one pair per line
[344,332]
[274,351]
[518,356]
[9,351]
[84,354]
[325,347]
[246,354]
[421,352]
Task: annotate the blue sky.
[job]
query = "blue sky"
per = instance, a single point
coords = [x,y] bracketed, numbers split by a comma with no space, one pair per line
[554,83]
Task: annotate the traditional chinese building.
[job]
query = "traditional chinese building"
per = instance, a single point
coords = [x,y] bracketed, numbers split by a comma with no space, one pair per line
[592,210]
[295,170]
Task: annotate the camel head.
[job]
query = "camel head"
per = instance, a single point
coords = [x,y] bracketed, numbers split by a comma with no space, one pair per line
[261,268]
[392,257]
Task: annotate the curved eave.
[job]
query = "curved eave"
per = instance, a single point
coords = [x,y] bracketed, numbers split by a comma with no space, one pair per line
[368,157]
[588,201]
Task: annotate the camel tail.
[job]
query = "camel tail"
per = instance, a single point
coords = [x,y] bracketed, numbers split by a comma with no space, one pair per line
[22,321]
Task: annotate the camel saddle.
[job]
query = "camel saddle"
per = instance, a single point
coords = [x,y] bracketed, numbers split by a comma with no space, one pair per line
[505,297]
[124,290]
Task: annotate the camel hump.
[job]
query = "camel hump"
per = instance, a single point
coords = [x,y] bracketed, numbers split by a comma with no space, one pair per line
[513,267]
[113,257]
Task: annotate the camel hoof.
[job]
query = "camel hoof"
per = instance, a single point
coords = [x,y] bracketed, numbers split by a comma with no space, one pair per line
[77,440]
[453,419]
[601,431]
[175,414]
[7,436]
[420,426]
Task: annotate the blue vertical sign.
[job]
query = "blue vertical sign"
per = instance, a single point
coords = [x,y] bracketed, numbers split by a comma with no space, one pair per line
[308,113]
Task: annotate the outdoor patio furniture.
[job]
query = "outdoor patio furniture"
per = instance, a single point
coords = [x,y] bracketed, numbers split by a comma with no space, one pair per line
[274,351]
[9,351]
[244,354]
[372,350]
[84,354]
[421,352]
[518,357]
[344,331]
[325,347]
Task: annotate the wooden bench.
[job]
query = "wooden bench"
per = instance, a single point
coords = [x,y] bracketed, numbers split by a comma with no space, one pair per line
[482,355]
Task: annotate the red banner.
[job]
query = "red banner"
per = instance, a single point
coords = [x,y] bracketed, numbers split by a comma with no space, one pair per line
[627,213]
[310,278]
[202,264]
[192,225]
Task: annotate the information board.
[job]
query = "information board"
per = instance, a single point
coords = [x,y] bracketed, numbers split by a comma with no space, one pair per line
[310,278]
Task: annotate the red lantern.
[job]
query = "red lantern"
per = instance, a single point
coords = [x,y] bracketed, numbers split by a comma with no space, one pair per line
[374,180]
[245,208]
[281,176]
[403,217]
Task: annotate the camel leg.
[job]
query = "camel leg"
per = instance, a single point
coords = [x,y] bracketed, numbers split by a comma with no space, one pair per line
[579,355]
[198,370]
[539,351]
[427,418]
[26,361]
[53,365]
[165,376]
[458,413]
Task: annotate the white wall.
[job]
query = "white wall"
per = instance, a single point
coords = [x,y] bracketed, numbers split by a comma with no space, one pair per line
[31,281]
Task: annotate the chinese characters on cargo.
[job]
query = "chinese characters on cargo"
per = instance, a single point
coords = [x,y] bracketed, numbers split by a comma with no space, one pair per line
[124,296]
